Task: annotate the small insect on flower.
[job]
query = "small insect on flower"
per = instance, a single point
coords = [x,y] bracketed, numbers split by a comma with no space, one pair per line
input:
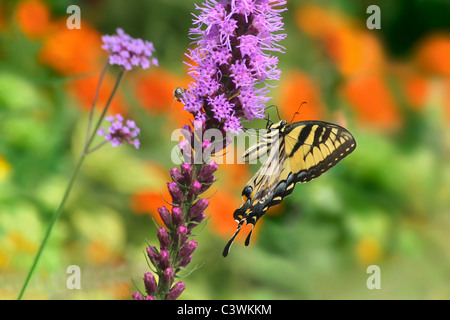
[119,132]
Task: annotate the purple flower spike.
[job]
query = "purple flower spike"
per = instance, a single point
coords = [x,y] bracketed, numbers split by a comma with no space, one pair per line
[127,51]
[233,58]
[118,132]
[233,65]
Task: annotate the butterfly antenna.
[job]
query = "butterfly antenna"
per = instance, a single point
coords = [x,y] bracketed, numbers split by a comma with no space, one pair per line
[297,112]
[276,108]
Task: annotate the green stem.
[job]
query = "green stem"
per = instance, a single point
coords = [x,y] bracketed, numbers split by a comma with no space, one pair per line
[52,222]
[74,174]
[94,103]
[94,133]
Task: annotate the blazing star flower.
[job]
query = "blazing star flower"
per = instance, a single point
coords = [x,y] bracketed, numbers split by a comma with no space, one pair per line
[118,132]
[127,51]
[233,61]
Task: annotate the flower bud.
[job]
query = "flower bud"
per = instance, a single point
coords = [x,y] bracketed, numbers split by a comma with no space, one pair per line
[186,172]
[153,255]
[196,221]
[207,148]
[177,217]
[185,262]
[194,191]
[165,215]
[176,291]
[206,184]
[175,192]
[164,261]
[187,132]
[207,171]
[198,208]
[188,249]
[186,151]
[168,276]
[164,239]
[176,175]
[181,235]
[150,283]
[138,296]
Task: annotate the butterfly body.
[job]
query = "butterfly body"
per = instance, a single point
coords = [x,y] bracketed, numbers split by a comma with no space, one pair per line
[297,152]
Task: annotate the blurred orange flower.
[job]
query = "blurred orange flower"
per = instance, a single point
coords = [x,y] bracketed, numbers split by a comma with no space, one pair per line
[433,54]
[354,50]
[415,86]
[373,102]
[33,18]
[296,88]
[233,176]
[73,51]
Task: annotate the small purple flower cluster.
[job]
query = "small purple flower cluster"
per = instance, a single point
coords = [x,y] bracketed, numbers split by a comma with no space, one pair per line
[118,132]
[175,249]
[230,62]
[127,51]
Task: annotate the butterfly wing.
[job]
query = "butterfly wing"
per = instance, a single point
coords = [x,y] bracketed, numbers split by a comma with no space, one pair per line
[313,147]
[299,152]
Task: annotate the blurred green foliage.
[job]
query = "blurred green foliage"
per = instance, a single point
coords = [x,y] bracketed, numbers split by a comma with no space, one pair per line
[388,203]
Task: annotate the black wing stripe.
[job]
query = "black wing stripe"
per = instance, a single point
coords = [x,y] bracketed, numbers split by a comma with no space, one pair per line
[325,135]
[317,135]
[304,133]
